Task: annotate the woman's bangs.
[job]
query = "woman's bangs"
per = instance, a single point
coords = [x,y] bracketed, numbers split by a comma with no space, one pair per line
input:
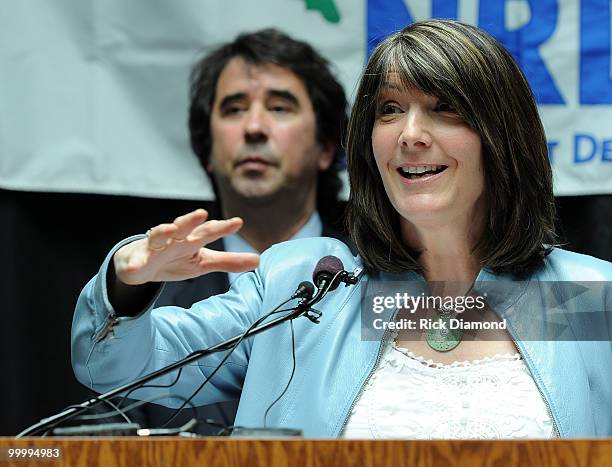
[409,66]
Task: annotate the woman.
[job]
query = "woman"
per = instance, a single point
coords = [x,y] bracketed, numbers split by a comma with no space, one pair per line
[450,191]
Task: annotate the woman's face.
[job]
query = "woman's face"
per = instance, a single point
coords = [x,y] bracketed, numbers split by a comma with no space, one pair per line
[429,159]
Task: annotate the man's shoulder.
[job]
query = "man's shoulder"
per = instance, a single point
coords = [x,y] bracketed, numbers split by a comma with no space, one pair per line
[328,231]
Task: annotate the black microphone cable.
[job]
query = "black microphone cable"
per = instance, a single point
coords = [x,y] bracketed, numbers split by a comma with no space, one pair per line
[304,288]
[255,323]
[290,377]
[117,408]
[327,289]
[154,386]
[116,411]
[304,291]
[130,407]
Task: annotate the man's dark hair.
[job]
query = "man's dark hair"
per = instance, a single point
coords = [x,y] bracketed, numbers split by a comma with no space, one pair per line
[270,46]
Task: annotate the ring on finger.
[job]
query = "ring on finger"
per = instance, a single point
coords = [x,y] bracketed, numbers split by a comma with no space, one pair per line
[178,240]
[151,247]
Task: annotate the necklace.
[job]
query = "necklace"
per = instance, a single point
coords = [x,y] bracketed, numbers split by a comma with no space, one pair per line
[441,337]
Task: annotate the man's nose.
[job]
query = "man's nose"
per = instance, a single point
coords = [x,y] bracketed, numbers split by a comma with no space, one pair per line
[416,133]
[256,127]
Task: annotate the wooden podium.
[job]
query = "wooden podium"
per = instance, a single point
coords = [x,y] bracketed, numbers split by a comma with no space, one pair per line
[221,452]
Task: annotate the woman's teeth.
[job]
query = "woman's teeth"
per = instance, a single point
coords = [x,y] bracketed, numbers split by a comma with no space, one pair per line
[413,172]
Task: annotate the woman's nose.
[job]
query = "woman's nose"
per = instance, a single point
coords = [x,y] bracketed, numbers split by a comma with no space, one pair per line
[416,133]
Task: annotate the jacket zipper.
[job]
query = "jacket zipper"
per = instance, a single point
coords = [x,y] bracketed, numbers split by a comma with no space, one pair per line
[537,384]
[111,321]
[365,382]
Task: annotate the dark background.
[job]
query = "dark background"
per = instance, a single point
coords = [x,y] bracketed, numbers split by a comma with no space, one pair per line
[51,244]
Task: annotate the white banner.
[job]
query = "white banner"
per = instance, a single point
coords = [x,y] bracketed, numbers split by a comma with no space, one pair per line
[94,94]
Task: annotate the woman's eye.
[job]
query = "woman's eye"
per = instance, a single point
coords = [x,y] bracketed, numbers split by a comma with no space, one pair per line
[443,106]
[388,109]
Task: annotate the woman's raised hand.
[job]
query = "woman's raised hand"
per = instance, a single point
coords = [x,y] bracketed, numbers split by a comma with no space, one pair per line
[177,251]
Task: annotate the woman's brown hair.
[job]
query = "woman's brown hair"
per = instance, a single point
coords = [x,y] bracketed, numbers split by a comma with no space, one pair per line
[470,70]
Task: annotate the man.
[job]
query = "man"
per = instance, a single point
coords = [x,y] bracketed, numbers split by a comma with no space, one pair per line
[266,121]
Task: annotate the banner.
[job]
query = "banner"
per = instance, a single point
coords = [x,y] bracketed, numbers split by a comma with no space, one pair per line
[94,95]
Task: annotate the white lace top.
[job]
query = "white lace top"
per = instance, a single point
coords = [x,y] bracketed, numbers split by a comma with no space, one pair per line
[408,397]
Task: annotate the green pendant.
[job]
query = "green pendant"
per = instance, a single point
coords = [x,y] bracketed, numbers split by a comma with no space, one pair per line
[443,340]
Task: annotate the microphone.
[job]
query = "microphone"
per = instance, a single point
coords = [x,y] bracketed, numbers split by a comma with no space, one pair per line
[305,290]
[327,275]
[325,271]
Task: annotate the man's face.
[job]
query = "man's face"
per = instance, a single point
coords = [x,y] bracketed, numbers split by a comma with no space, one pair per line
[263,131]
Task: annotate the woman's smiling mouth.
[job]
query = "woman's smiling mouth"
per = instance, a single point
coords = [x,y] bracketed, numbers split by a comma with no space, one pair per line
[420,173]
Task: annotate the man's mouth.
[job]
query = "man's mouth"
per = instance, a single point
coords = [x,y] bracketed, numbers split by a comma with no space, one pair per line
[254,163]
[420,171]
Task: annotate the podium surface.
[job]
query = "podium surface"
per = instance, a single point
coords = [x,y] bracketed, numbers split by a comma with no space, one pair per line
[218,452]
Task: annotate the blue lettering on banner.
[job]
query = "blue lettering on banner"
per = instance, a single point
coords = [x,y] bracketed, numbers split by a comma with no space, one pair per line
[384,18]
[444,9]
[591,148]
[524,42]
[586,147]
[552,145]
[595,82]
[606,151]
[387,16]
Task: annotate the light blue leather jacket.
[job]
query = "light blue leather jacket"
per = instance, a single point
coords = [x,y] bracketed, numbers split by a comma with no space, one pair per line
[333,362]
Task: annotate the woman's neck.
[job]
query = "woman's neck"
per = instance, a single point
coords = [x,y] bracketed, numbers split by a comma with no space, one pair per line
[447,251]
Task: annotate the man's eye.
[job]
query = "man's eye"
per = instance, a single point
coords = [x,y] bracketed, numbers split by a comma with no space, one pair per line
[231,109]
[280,108]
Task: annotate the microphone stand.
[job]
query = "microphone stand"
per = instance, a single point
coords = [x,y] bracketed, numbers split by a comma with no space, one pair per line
[301,309]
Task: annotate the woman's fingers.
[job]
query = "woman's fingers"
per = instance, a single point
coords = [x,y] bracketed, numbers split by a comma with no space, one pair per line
[158,236]
[189,233]
[176,251]
[187,223]
[225,261]
[213,230]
